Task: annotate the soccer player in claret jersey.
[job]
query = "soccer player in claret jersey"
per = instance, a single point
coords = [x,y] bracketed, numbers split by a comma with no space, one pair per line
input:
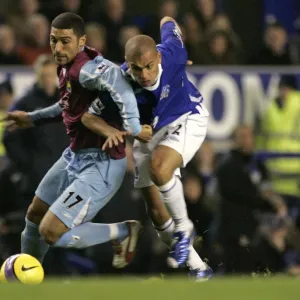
[85,178]
[179,121]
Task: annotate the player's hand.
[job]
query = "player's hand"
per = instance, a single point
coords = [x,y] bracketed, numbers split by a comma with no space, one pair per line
[114,138]
[189,63]
[17,119]
[146,134]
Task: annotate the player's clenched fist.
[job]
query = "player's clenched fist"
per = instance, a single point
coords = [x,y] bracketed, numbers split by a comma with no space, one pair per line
[17,119]
[146,134]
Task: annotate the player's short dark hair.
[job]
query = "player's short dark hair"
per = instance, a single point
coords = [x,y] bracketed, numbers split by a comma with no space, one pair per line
[69,20]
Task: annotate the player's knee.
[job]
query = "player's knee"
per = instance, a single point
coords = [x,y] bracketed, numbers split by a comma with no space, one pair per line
[159,170]
[49,234]
[36,211]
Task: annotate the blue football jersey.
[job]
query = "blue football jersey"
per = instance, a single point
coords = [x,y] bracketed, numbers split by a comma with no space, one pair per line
[174,94]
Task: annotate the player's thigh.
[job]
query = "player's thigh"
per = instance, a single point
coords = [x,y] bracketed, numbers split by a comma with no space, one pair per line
[89,192]
[53,183]
[196,129]
[167,156]
[142,158]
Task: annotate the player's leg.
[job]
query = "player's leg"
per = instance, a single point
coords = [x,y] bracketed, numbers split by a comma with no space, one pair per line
[156,209]
[165,226]
[184,137]
[31,241]
[67,223]
[50,187]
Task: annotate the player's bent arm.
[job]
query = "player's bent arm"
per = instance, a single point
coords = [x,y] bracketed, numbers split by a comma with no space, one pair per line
[171,39]
[167,19]
[96,124]
[103,75]
[47,115]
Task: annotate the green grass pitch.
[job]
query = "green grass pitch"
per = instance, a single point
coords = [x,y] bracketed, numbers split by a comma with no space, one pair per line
[282,288]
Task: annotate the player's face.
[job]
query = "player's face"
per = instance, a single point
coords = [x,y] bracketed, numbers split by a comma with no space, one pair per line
[145,68]
[65,45]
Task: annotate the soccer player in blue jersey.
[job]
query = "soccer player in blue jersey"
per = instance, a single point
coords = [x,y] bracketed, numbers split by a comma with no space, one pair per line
[179,121]
[168,100]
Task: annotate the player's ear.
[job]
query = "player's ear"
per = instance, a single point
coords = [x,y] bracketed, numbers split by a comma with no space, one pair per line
[82,41]
[159,57]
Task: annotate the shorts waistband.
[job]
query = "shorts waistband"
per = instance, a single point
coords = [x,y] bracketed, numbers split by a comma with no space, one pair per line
[89,150]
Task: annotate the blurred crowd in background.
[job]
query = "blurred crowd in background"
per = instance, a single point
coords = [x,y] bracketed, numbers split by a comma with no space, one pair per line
[212,36]
[245,207]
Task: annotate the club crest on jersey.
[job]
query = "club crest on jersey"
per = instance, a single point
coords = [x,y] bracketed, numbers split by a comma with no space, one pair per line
[102,68]
[69,87]
[165,92]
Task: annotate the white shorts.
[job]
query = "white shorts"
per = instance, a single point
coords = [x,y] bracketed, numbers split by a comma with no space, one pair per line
[185,135]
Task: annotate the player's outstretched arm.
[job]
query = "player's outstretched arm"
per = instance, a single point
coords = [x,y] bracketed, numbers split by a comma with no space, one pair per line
[46,115]
[21,119]
[17,119]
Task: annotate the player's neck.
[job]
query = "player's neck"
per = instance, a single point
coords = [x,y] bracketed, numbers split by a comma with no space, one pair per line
[157,80]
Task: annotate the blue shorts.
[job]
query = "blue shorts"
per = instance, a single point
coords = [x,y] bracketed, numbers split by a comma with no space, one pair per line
[80,184]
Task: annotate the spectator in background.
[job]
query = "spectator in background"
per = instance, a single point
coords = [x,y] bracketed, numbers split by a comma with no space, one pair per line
[295,43]
[40,28]
[44,143]
[96,37]
[276,47]
[126,33]
[19,20]
[113,19]
[280,133]
[244,191]
[50,10]
[221,22]
[221,50]
[269,246]
[197,206]
[168,8]
[193,37]
[204,166]
[6,99]
[8,54]
[204,11]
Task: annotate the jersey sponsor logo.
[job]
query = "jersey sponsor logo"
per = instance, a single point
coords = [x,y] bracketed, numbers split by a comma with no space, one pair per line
[165,92]
[102,68]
